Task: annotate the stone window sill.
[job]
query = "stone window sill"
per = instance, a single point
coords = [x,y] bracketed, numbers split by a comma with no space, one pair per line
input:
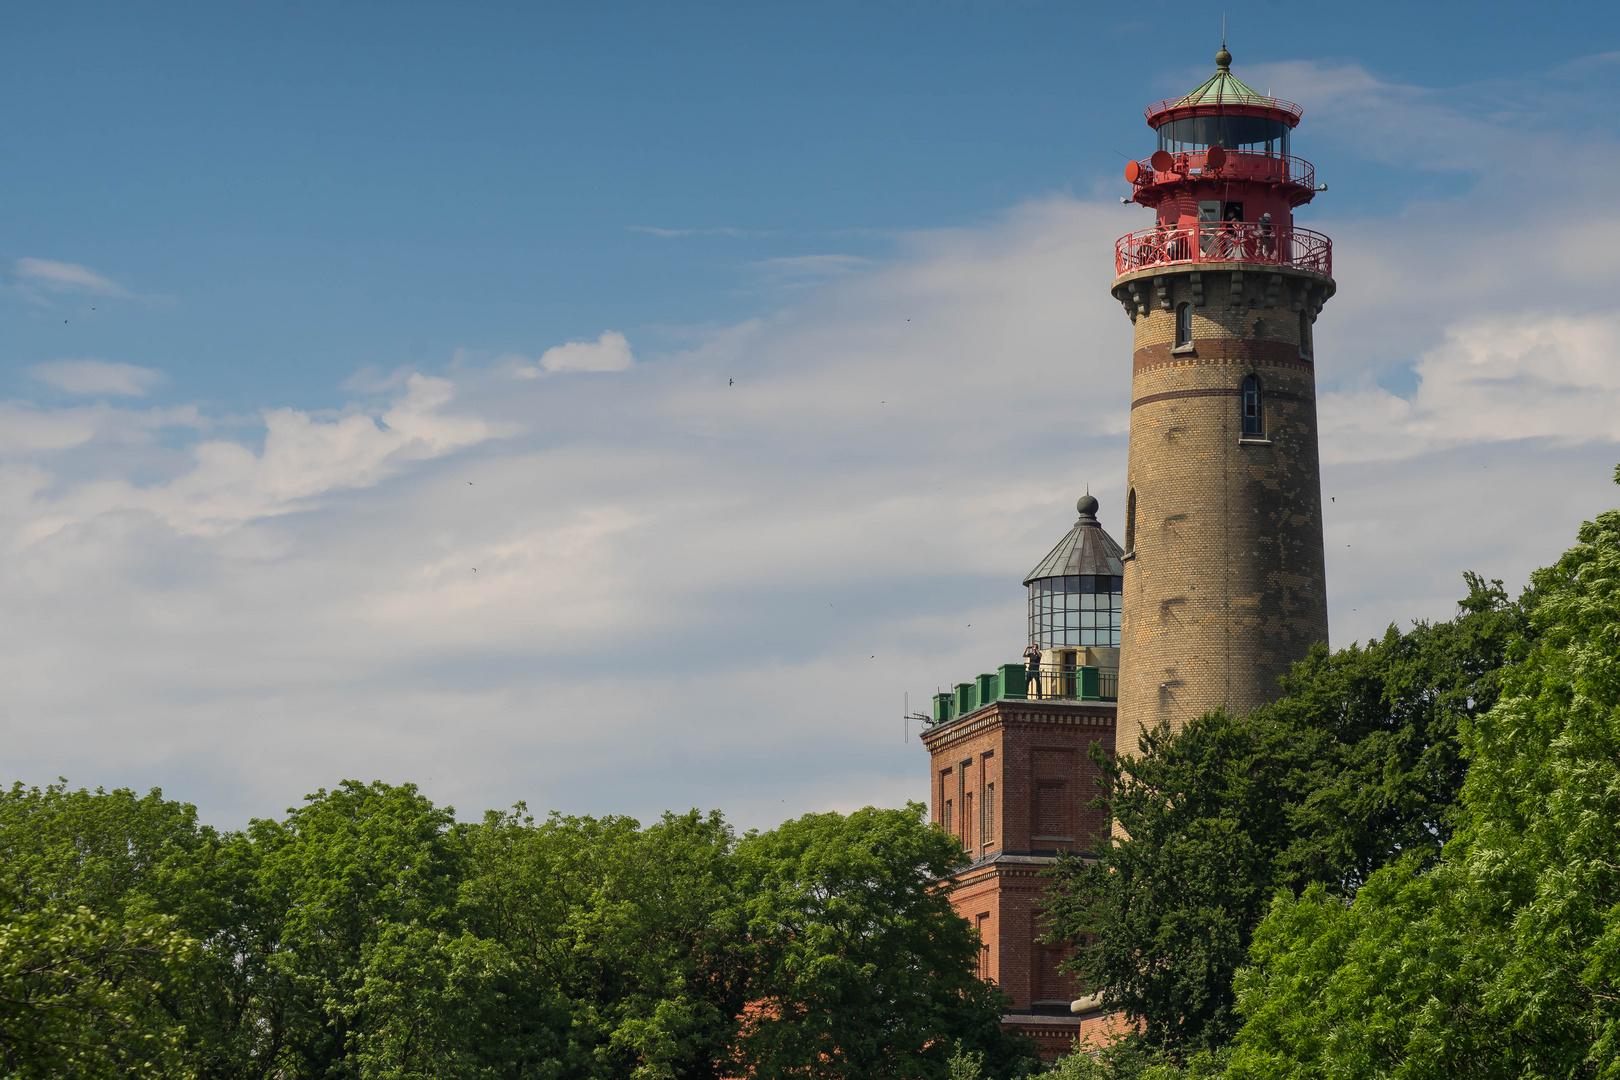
[1188,349]
[1252,441]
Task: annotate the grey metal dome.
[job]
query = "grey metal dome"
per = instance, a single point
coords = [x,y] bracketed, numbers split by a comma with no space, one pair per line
[1086,550]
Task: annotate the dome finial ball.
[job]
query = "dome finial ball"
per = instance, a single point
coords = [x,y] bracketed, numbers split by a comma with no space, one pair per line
[1087,505]
[1223,59]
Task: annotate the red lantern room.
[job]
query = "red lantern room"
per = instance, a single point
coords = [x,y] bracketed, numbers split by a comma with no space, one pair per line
[1223,182]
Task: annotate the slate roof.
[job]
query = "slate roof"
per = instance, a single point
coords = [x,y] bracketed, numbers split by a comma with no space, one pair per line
[1086,550]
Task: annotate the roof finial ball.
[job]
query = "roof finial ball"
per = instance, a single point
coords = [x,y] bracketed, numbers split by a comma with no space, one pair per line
[1223,60]
[1087,505]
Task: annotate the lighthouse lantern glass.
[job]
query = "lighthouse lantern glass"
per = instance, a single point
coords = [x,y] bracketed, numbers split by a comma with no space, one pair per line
[1246,134]
[1076,609]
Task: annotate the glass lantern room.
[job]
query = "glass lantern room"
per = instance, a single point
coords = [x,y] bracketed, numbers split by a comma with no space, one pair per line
[1075,610]
[1075,594]
[1224,111]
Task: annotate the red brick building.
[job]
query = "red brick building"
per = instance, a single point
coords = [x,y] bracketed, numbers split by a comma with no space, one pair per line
[1012,774]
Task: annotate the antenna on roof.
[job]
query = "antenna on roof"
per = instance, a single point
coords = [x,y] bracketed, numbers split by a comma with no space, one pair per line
[1223,29]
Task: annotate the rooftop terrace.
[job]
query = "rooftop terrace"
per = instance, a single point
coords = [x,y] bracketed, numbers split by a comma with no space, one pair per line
[1015,682]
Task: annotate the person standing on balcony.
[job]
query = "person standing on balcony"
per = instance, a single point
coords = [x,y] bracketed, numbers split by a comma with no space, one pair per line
[1032,674]
[1268,244]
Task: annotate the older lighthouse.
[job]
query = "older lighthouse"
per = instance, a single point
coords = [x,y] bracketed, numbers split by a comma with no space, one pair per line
[1223,566]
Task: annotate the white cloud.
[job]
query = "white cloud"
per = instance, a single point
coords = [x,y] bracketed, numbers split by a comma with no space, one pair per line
[67,277]
[667,589]
[97,377]
[610,352]
[228,485]
[1494,379]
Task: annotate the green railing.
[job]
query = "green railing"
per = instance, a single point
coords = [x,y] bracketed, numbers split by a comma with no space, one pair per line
[1015,682]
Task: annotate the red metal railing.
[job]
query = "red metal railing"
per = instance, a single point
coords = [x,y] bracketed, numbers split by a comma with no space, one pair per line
[1263,168]
[1224,241]
[1232,106]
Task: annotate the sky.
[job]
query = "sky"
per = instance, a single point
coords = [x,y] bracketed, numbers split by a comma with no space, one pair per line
[628,407]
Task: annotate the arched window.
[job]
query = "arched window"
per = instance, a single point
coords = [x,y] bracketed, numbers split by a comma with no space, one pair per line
[1305,334]
[1184,325]
[1130,521]
[1253,417]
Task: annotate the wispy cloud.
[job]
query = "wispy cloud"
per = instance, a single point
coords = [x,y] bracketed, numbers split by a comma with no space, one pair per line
[722,230]
[97,377]
[67,277]
[800,270]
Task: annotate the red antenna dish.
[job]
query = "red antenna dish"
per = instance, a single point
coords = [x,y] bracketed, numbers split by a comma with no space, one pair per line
[1215,158]
[1133,171]
[1161,161]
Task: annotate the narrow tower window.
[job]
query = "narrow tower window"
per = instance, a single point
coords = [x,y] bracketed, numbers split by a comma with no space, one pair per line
[989,830]
[1305,334]
[1184,325]
[1252,426]
[1130,521]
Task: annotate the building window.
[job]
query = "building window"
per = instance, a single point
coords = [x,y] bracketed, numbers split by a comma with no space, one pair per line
[1130,521]
[1183,325]
[1076,609]
[946,817]
[989,829]
[967,821]
[1253,427]
[1305,334]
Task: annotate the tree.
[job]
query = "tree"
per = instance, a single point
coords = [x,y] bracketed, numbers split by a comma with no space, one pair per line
[110,891]
[864,969]
[78,994]
[632,930]
[1356,765]
[340,872]
[368,935]
[1504,958]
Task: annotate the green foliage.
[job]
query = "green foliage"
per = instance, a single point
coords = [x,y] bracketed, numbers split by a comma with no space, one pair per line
[78,994]
[1503,959]
[630,931]
[1356,765]
[864,970]
[1134,1059]
[368,935]
[964,1064]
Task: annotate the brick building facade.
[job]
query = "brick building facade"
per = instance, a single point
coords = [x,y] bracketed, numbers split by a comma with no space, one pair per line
[1012,780]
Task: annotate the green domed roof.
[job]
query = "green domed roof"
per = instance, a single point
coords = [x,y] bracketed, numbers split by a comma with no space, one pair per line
[1223,88]
[1219,93]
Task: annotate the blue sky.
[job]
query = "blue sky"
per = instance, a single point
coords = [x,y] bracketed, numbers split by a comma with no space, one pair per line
[278,281]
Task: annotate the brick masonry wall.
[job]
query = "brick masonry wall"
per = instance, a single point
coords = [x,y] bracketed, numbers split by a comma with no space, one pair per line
[1037,754]
[1224,577]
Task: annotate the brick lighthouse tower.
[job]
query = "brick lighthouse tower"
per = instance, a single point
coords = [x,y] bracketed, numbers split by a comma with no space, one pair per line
[1223,566]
